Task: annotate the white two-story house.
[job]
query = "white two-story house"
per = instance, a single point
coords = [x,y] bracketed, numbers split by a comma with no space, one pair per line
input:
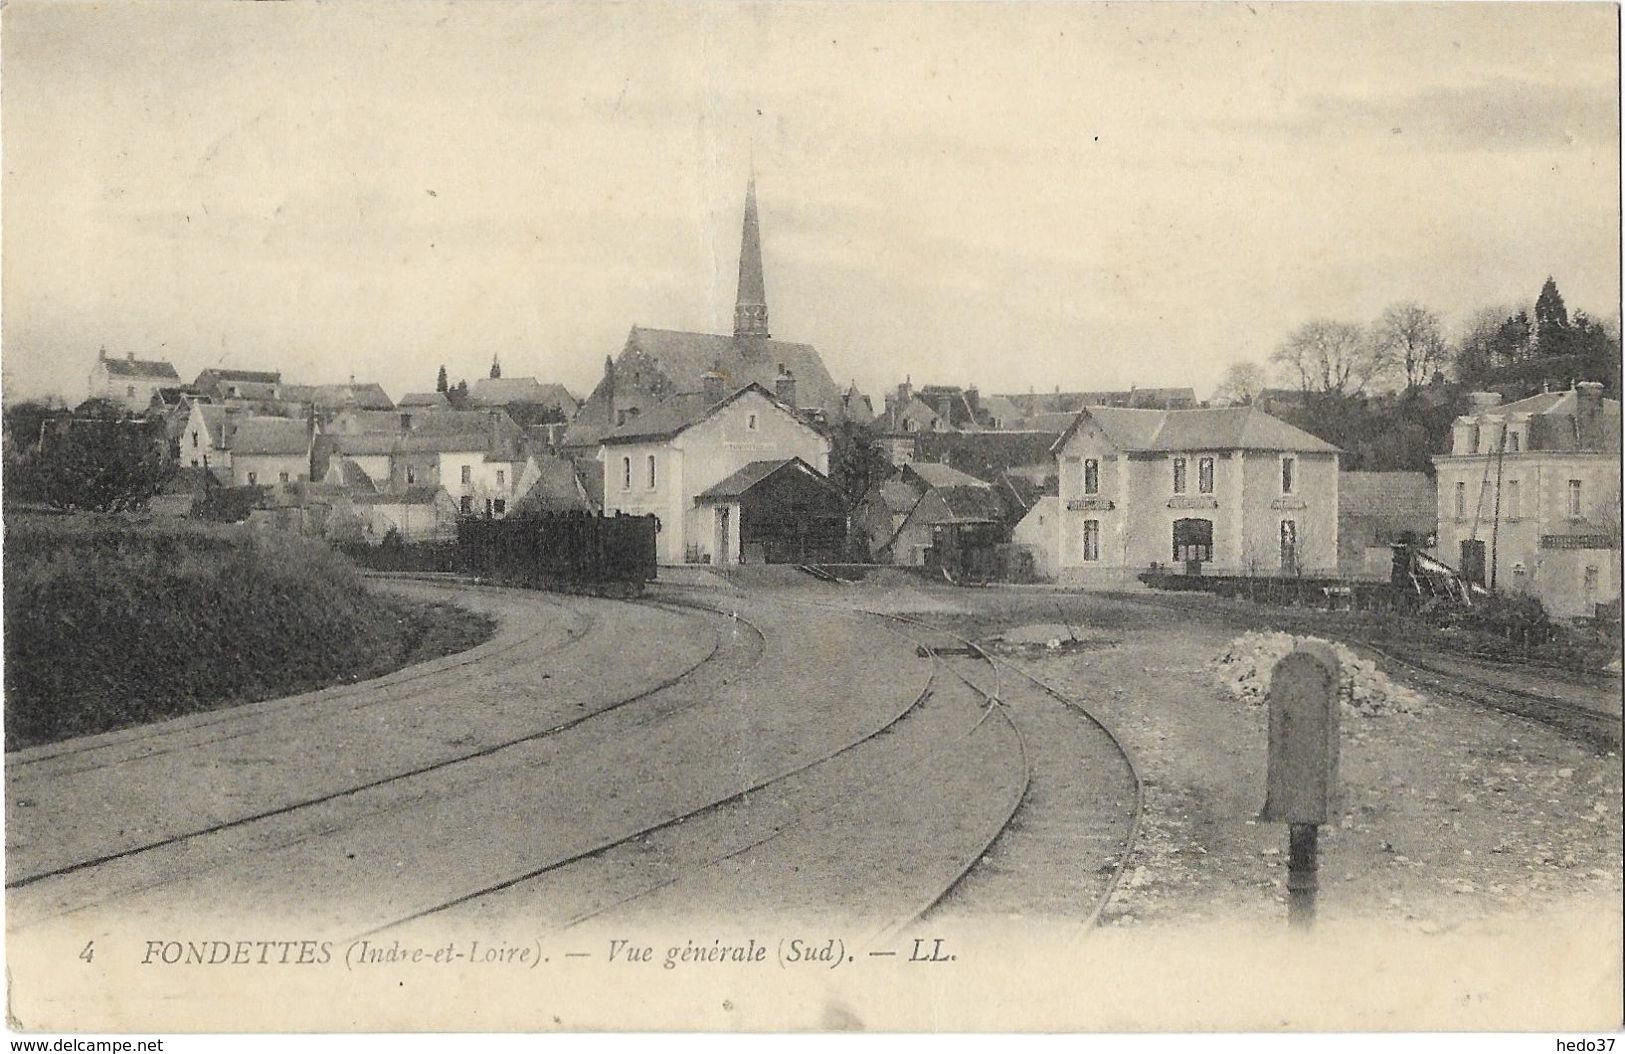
[1224,491]
[660,461]
[1529,497]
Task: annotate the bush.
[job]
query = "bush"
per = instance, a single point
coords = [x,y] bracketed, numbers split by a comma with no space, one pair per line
[102,459]
[110,624]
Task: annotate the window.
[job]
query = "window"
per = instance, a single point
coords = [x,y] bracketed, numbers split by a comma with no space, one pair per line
[253,477]
[194,465]
[282,477]
[1289,469]
[1461,501]
[488,508]
[651,471]
[129,391]
[1472,440]
[194,439]
[466,503]
[750,423]
[1179,475]
[1574,499]
[1514,500]
[500,506]
[411,475]
[1091,476]
[468,475]
[1204,475]
[502,478]
[1513,442]
[1091,539]
[626,473]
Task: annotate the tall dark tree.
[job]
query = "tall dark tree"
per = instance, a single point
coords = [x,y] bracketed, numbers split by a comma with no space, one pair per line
[440,384]
[1551,316]
[856,462]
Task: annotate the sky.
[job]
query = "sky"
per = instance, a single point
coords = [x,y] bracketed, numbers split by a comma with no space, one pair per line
[1015,195]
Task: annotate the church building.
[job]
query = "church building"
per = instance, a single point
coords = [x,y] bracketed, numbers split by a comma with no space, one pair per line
[655,364]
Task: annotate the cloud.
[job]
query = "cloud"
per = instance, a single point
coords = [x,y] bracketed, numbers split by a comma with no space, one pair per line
[1499,114]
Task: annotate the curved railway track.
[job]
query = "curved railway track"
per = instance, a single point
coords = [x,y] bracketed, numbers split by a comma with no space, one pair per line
[1596,727]
[438,765]
[1117,751]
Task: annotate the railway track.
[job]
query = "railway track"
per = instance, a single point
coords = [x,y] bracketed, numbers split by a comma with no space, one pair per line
[1108,750]
[783,796]
[438,765]
[1578,720]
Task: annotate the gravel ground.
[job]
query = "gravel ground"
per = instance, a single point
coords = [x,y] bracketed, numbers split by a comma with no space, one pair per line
[1450,815]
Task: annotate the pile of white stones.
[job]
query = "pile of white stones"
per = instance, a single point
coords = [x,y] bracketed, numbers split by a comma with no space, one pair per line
[1243,671]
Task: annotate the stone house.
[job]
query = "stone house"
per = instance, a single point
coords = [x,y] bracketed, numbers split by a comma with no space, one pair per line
[660,461]
[1230,491]
[130,382]
[1529,497]
[267,451]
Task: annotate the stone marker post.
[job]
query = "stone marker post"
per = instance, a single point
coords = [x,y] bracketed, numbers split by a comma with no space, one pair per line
[1301,785]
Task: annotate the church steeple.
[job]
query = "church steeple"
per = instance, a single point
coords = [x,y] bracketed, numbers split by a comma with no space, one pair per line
[496,366]
[750,307]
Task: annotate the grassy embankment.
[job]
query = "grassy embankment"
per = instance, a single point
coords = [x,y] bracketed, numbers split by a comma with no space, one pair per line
[109,623]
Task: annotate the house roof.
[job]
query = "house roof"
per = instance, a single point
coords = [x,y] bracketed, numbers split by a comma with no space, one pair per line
[420,494]
[1401,500]
[978,504]
[151,369]
[499,391]
[367,396]
[250,376]
[420,399]
[558,488]
[425,422]
[361,443]
[269,435]
[1224,428]
[740,482]
[933,474]
[898,494]
[679,412]
[353,476]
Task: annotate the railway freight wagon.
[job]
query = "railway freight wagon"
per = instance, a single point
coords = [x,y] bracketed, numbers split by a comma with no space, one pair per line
[573,552]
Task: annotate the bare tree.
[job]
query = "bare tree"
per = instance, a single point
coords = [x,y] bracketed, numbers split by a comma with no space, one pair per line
[1241,383]
[1331,358]
[1408,335]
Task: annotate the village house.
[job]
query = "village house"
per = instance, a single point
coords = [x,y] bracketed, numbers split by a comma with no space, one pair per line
[655,364]
[423,401]
[1529,498]
[483,471]
[661,461]
[221,385]
[1232,491]
[130,382]
[526,397]
[952,513]
[776,511]
[1036,534]
[267,451]
[423,513]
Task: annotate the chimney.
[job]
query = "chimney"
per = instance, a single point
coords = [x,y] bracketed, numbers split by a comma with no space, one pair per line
[785,388]
[1483,401]
[711,385]
[1588,424]
[974,398]
[891,410]
[905,392]
[491,416]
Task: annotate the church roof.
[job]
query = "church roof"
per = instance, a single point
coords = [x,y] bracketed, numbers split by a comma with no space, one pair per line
[685,358]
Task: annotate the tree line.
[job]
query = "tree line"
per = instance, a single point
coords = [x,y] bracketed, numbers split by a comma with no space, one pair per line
[1388,391]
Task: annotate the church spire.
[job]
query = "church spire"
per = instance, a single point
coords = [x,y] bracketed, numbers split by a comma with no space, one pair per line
[750,307]
[496,366]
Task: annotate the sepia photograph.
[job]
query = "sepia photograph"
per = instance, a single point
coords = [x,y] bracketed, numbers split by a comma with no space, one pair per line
[732,517]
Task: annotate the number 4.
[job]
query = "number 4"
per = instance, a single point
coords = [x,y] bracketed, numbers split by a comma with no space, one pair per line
[89,954]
